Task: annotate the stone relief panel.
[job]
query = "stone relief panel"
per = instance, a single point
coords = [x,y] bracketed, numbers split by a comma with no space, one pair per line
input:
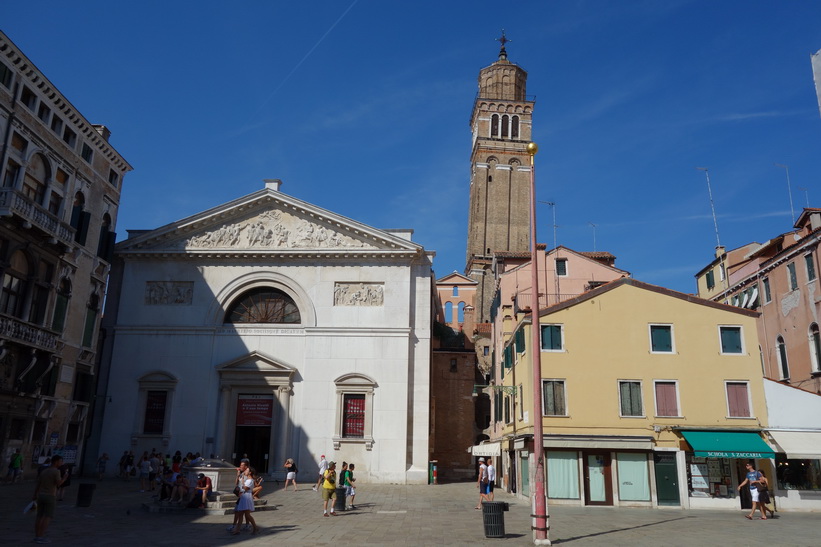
[274,230]
[160,293]
[359,294]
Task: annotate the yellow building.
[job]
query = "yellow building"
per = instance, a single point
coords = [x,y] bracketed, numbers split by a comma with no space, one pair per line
[649,397]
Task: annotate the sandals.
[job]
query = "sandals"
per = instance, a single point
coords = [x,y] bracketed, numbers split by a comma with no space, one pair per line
[748,517]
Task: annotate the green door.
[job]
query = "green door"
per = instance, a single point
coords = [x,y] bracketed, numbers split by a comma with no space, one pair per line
[524,481]
[666,478]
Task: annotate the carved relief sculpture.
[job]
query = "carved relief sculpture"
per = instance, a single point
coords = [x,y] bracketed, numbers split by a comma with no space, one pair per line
[273,230]
[159,293]
[359,294]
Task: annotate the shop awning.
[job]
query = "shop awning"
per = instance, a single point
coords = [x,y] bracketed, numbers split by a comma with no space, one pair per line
[486,449]
[798,445]
[728,444]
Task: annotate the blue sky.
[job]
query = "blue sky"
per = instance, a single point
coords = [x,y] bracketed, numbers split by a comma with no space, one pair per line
[362,107]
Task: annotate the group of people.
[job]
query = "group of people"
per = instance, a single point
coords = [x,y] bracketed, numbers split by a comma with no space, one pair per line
[759,487]
[485,481]
[246,484]
[329,482]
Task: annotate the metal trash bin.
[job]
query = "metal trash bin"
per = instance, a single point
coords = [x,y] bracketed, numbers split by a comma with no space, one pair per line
[84,494]
[494,518]
[339,500]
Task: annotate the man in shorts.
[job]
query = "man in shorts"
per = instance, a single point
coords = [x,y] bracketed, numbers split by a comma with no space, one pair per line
[482,481]
[323,466]
[45,494]
[491,479]
[15,467]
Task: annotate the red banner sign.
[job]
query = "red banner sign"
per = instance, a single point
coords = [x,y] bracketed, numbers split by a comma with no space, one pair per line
[255,410]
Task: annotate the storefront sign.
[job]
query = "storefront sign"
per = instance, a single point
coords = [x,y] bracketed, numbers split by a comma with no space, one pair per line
[744,455]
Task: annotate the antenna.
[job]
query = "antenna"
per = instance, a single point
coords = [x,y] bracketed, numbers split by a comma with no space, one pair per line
[725,274]
[789,190]
[594,235]
[555,226]
[806,195]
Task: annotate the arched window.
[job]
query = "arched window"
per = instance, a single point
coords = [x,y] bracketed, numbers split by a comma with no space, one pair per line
[505,126]
[514,127]
[455,290]
[494,125]
[263,305]
[448,312]
[14,285]
[781,347]
[34,182]
[461,312]
[815,348]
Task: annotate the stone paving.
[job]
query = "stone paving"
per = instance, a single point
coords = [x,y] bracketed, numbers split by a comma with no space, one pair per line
[385,515]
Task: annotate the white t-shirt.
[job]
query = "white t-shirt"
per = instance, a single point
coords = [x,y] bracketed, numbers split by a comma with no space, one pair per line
[323,466]
[491,473]
[482,472]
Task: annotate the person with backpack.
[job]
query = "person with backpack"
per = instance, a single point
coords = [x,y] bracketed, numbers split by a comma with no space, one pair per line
[350,490]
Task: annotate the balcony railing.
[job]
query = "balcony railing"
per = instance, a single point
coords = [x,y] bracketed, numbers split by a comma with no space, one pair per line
[28,334]
[12,202]
[523,300]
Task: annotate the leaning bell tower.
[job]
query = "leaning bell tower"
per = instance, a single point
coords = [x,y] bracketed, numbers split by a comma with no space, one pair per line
[498,219]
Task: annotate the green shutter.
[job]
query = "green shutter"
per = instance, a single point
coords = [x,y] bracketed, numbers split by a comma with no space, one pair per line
[661,338]
[520,341]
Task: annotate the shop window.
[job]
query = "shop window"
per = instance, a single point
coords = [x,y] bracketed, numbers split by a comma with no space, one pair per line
[553,337]
[630,398]
[354,418]
[633,476]
[730,340]
[794,474]
[562,475]
[791,276]
[709,477]
[765,288]
[808,260]
[554,398]
[263,305]
[738,400]
[666,399]
[661,338]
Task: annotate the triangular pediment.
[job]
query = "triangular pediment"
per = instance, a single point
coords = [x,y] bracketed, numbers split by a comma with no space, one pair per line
[262,222]
[256,362]
[455,278]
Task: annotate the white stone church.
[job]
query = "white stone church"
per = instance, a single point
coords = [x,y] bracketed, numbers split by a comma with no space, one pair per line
[270,327]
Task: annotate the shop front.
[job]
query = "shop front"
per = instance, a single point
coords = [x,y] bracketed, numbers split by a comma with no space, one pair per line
[797,483]
[716,466]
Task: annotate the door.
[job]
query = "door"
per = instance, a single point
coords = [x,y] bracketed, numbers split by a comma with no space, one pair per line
[524,479]
[667,490]
[598,489]
[254,442]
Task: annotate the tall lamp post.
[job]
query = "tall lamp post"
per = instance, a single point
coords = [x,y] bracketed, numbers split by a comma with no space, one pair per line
[540,525]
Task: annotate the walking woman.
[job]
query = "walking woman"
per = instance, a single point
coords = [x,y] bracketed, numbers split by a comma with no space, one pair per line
[290,468]
[753,479]
[245,505]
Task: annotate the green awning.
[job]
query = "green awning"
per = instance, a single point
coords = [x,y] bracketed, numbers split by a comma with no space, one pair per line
[728,444]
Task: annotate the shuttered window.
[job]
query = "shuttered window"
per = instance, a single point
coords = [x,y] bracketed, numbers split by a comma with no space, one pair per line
[666,399]
[738,401]
[553,391]
[552,337]
[661,338]
[630,396]
[730,339]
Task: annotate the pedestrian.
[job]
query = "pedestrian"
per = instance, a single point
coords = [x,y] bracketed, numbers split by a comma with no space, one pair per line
[144,471]
[65,472]
[323,466]
[155,470]
[15,467]
[764,495]
[350,490]
[101,463]
[123,465]
[329,488]
[481,482]
[245,505]
[753,479]
[45,494]
[291,470]
[244,465]
[491,479]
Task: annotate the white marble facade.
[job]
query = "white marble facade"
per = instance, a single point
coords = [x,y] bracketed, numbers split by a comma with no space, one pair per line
[184,377]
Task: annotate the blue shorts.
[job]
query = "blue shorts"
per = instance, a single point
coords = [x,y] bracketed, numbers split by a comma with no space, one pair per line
[485,489]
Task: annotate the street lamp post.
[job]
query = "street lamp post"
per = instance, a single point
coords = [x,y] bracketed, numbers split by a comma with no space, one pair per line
[540,525]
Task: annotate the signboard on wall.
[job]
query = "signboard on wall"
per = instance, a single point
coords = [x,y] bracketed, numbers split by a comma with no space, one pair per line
[255,410]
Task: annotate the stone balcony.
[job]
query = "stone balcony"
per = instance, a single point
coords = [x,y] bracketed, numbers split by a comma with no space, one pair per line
[28,334]
[14,203]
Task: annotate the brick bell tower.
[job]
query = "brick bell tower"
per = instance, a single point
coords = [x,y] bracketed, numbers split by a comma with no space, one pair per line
[498,219]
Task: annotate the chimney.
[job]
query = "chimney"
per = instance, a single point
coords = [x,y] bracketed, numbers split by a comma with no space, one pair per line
[104,132]
[719,251]
[272,184]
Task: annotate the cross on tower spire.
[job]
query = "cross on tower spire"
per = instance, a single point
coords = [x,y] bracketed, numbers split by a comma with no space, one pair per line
[503,40]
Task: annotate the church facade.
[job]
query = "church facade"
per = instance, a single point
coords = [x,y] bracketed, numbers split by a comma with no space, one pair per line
[271,328]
